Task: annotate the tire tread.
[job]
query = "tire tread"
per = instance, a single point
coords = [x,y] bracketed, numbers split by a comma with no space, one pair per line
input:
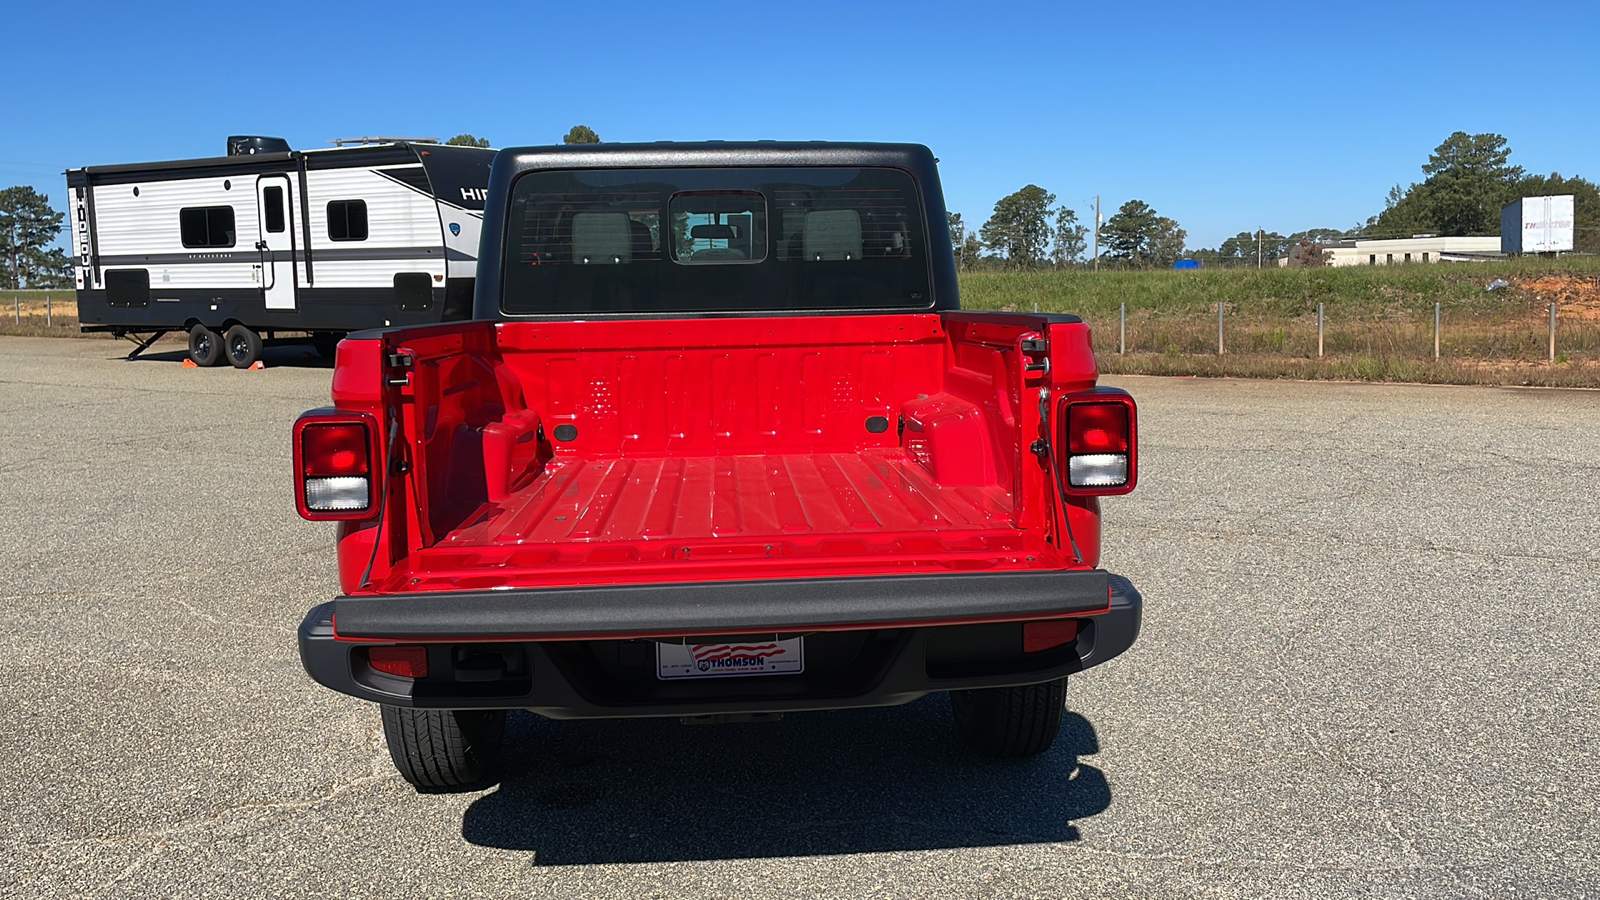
[442,749]
[1010,723]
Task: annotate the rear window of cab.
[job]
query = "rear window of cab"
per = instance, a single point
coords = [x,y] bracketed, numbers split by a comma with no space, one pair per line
[708,239]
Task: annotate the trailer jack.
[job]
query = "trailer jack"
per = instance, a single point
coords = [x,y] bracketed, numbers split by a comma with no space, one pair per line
[143,343]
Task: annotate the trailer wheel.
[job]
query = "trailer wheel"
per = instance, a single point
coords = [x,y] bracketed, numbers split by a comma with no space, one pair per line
[1010,723]
[205,346]
[243,346]
[440,750]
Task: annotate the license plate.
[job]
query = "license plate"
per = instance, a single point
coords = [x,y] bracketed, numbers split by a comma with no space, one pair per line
[675,661]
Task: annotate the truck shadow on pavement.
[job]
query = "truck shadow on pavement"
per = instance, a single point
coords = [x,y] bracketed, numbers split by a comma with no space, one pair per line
[854,781]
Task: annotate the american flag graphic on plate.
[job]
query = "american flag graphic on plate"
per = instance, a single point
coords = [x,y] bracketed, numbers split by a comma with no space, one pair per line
[733,658]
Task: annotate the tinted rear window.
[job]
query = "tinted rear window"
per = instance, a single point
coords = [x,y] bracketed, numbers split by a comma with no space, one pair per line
[704,240]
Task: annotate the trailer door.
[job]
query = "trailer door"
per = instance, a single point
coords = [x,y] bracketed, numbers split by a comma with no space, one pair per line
[275,208]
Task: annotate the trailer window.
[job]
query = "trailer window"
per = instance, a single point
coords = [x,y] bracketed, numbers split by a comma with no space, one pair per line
[272,200]
[735,239]
[347,220]
[206,226]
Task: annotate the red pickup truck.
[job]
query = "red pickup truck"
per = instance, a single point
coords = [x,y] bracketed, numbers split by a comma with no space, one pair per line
[720,443]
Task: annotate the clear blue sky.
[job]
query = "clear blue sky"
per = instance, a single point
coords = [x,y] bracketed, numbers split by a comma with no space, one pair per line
[1225,117]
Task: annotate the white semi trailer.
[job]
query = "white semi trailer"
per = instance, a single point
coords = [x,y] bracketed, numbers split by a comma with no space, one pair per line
[1537,225]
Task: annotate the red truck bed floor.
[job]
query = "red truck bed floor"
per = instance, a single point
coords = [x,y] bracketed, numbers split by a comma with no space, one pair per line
[597,520]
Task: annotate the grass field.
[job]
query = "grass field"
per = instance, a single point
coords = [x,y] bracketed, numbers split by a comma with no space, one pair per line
[39,313]
[1378,321]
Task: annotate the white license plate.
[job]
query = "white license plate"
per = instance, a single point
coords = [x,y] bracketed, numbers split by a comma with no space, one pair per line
[719,660]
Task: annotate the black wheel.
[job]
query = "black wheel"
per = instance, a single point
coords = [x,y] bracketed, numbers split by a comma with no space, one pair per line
[445,749]
[1010,723]
[326,343]
[205,346]
[243,346]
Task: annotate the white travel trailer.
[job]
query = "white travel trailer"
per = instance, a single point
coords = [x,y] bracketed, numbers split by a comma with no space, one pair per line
[240,248]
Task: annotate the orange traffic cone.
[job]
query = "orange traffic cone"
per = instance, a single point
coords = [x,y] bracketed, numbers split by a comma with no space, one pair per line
[190,364]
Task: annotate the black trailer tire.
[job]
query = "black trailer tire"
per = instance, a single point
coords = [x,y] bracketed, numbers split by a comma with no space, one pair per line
[243,346]
[440,750]
[205,346]
[1010,723]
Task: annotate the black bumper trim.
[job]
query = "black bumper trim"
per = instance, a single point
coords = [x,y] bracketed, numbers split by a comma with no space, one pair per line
[803,604]
[555,692]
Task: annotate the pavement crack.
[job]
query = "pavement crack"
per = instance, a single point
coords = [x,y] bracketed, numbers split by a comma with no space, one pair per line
[1323,746]
[128,871]
[161,839]
[204,616]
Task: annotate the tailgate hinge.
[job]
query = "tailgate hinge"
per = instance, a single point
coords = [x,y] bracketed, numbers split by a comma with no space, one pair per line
[401,361]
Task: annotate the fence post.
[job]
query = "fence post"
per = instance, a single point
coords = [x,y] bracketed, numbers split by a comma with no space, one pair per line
[1122,331]
[1219,327]
[1552,332]
[1436,330]
[49,319]
[1319,331]
[16,308]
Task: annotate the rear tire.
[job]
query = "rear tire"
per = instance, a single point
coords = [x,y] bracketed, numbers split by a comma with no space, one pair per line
[205,346]
[243,346]
[440,750]
[1010,723]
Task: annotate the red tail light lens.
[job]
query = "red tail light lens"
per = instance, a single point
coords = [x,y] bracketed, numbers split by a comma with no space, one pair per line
[1097,428]
[333,449]
[336,464]
[1097,446]
[409,661]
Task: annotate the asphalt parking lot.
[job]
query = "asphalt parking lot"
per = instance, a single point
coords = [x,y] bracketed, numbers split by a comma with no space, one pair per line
[1367,669]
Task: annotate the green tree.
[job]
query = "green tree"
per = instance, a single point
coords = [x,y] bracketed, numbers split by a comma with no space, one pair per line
[1071,238]
[968,249]
[581,134]
[467,140]
[1319,235]
[27,226]
[1469,179]
[1019,230]
[1406,211]
[969,256]
[1241,250]
[1139,237]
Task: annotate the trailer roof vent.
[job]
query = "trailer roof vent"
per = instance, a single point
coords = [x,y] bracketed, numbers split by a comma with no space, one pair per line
[248,144]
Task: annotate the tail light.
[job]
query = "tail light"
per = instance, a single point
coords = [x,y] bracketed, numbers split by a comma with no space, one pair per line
[1097,447]
[337,465]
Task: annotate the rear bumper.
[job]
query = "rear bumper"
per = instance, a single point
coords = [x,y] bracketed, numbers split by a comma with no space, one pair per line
[588,652]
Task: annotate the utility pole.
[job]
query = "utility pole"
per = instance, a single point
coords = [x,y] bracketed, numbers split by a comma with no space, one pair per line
[1259,234]
[1097,232]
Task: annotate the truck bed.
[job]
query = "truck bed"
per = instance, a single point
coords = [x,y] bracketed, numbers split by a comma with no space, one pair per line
[586,521]
[671,451]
